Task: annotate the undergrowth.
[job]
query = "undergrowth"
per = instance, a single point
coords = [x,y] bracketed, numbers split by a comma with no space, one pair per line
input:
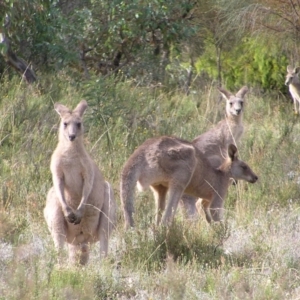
[253,254]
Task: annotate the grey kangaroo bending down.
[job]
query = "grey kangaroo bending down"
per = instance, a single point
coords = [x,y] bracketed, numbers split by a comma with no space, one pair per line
[214,142]
[293,82]
[80,207]
[174,166]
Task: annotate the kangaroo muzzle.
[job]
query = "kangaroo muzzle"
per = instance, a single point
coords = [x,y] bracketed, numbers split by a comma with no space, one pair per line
[72,137]
[288,81]
[238,111]
[254,179]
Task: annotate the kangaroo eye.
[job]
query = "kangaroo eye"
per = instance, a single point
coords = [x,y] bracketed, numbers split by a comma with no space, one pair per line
[78,125]
[65,125]
[244,168]
[230,103]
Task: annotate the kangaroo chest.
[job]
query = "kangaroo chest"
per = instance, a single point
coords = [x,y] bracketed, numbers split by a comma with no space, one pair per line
[73,165]
[74,170]
[294,90]
[232,132]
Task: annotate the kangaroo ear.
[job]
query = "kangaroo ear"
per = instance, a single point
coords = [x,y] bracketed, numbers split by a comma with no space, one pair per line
[81,107]
[290,69]
[242,92]
[61,109]
[297,70]
[232,152]
[226,94]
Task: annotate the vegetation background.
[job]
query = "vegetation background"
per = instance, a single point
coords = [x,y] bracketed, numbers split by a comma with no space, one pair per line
[150,68]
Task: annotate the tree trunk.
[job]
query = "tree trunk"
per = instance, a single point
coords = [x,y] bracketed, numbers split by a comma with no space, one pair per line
[189,77]
[16,62]
[219,67]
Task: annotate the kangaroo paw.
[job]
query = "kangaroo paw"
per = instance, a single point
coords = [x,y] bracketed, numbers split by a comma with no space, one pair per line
[73,218]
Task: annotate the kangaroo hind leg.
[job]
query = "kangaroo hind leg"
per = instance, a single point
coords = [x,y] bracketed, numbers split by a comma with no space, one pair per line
[188,204]
[55,220]
[216,209]
[79,253]
[203,205]
[160,193]
[175,194]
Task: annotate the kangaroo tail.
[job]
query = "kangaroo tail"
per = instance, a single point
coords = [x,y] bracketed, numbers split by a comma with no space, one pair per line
[129,178]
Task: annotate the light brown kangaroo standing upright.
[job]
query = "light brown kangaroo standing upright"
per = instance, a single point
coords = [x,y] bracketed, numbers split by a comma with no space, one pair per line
[293,82]
[80,207]
[173,166]
[214,142]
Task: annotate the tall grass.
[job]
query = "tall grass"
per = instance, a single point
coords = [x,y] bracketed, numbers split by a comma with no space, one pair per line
[253,254]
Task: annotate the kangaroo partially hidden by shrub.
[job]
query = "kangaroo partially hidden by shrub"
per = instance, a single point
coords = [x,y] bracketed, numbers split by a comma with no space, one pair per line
[172,166]
[80,207]
[214,142]
[293,82]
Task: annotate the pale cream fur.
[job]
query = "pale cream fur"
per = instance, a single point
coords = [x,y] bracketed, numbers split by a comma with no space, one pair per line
[293,82]
[173,166]
[214,142]
[80,207]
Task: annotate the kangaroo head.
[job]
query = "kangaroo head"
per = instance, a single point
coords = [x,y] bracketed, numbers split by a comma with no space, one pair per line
[292,75]
[234,103]
[71,121]
[239,169]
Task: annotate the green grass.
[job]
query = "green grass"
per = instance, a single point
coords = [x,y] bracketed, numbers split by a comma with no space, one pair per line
[254,254]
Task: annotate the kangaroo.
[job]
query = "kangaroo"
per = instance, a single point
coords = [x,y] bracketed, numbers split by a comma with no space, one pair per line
[175,166]
[293,82]
[80,206]
[214,142]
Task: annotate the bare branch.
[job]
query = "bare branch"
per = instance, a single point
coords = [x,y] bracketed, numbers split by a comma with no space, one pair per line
[294,8]
[16,62]
[12,59]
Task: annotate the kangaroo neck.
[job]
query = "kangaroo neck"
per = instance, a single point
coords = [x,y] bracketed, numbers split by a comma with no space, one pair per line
[75,146]
[230,119]
[225,168]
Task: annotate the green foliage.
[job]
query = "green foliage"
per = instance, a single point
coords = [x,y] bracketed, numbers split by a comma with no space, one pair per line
[36,32]
[158,42]
[99,35]
[139,34]
[250,62]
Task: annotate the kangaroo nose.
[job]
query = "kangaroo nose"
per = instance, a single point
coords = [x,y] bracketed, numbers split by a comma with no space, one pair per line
[255,178]
[238,110]
[72,137]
